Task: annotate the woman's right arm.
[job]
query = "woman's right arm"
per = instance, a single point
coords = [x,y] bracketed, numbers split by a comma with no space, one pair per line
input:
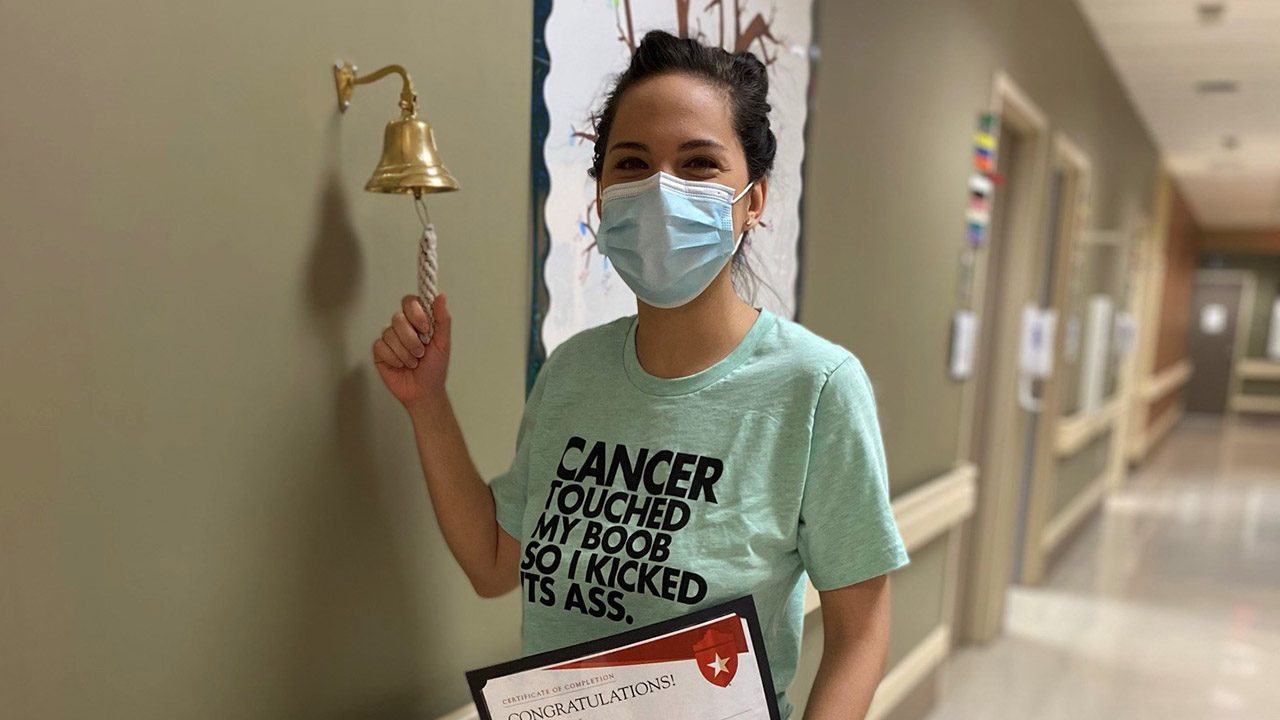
[464,506]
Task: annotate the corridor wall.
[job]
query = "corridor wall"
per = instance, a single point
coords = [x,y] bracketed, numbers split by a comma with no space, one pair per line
[898,90]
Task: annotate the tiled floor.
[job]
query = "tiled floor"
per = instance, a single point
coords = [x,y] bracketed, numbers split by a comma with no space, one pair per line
[1167,606]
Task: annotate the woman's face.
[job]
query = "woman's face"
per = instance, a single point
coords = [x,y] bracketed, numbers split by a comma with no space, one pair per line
[682,126]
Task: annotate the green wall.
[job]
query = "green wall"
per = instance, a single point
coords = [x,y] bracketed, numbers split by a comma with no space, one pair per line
[213,509]
[1076,472]
[899,88]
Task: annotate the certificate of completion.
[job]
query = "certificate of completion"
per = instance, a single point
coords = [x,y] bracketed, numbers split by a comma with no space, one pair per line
[709,664]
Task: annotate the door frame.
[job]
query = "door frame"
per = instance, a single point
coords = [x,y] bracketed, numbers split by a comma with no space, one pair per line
[1072,220]
[1152,264]
[989,537]
[1128,389]
[1244,320]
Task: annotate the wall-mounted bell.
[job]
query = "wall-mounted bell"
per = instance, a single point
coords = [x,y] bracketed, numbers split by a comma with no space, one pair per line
[410,161]
[410,164]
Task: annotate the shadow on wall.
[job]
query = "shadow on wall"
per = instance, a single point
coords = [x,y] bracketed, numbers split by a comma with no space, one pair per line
[355,629]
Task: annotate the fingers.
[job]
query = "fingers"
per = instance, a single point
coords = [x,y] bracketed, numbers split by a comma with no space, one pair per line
[412,308]
[408,335]
[383,353]
[392,339]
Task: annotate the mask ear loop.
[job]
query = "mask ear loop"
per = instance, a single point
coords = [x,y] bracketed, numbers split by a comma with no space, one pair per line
[735,200]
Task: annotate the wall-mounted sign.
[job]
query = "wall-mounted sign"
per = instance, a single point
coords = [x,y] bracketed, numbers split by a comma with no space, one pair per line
[964,330]
[1273,342]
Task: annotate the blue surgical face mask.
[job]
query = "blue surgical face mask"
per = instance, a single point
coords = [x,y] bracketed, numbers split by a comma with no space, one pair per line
[668,238]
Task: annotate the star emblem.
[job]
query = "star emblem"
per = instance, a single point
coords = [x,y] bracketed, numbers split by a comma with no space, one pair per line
[720,664]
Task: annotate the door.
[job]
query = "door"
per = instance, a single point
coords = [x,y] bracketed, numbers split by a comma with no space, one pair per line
[1211,343]
[995,421]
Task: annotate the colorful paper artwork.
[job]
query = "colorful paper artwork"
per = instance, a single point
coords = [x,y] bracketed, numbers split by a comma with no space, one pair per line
[986,148]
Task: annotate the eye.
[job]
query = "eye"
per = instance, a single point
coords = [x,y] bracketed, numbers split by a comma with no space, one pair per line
[630,163]
[702,162]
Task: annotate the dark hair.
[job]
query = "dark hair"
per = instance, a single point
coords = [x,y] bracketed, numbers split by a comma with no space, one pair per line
[741,75]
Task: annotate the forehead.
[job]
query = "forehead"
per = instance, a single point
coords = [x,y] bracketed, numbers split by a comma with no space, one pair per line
[668,109]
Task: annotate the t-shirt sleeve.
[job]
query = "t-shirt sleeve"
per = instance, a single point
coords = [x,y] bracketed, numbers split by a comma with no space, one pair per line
[847,532]
[509,488]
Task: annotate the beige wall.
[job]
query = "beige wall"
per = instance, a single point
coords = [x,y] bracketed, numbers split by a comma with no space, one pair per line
[899,88]
[213,510]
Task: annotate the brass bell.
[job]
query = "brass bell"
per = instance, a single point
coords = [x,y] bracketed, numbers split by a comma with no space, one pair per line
[410,161]
[410,164]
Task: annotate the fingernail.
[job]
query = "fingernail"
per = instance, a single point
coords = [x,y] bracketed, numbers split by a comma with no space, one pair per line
[419,352]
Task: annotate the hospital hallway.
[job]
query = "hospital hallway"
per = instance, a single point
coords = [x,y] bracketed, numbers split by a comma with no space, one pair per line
[1166,606]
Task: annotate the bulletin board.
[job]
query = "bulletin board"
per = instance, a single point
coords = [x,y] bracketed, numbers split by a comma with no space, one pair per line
[579,47]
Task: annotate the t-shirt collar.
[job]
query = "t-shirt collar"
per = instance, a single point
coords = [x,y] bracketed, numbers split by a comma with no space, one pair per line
[655,385]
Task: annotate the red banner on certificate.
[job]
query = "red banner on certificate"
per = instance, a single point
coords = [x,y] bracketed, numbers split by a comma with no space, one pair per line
[709,664]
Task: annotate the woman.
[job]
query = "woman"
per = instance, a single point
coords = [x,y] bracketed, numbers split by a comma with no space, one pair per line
[696,451]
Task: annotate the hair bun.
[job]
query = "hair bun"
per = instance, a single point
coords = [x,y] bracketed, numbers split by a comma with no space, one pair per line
[742,74]
[747,60]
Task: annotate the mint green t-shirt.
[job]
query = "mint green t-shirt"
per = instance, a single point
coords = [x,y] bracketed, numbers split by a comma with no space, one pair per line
[638,498]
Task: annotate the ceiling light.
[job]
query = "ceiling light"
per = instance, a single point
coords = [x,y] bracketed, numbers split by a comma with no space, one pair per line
[1217,87]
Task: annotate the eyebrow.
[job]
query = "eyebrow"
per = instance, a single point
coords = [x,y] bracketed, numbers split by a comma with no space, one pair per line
[686,145]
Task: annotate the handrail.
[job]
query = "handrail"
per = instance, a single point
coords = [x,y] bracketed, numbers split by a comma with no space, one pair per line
[1075,431]
[1258,369]
[1167,380]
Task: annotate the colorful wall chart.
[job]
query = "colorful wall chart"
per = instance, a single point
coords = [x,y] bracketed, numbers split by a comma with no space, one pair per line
[579,47]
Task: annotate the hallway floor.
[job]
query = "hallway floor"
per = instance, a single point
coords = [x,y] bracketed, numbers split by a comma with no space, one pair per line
[1166,606]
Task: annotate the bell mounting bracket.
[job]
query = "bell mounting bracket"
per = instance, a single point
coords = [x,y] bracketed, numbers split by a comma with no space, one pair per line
[345,80]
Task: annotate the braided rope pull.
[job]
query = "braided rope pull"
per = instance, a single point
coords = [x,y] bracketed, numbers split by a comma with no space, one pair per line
[428,267]
[428,288]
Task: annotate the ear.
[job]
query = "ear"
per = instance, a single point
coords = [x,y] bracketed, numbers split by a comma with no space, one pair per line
[756,198]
